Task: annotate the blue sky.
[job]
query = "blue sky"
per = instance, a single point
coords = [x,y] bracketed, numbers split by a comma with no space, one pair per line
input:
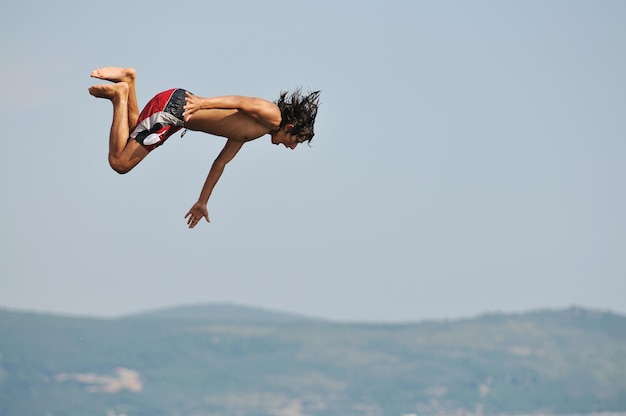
[468,158]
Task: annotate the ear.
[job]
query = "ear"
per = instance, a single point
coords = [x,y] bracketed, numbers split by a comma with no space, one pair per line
[288,127]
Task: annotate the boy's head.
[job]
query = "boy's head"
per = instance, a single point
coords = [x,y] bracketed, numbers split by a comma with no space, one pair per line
[300,111]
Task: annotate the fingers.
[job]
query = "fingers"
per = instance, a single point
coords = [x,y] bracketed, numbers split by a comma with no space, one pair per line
[193,220]
[186,108]
[188,99]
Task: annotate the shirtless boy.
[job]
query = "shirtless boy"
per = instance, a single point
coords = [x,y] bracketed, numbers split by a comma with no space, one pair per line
[239,119]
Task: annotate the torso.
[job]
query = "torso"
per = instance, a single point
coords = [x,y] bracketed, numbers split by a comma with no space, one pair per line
[231,124]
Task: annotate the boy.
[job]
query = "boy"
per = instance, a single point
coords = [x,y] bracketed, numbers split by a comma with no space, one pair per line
[239,119]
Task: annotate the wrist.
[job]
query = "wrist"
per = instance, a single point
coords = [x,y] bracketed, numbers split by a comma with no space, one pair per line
[205,104]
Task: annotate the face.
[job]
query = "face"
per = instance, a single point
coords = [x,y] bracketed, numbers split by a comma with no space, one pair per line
[284,137]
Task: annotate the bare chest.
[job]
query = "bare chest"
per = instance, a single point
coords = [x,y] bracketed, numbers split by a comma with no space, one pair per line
[231,124]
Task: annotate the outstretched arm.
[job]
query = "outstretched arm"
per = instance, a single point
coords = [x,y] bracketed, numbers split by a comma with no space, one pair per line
[199,209]
[264,112]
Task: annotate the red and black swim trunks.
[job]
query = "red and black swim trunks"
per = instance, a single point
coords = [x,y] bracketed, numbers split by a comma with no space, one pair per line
[160,118]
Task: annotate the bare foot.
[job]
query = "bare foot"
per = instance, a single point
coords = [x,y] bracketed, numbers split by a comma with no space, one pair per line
[115,74]
[117,91]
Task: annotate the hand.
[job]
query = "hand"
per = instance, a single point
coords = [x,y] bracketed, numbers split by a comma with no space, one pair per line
[191,106]
[195,214]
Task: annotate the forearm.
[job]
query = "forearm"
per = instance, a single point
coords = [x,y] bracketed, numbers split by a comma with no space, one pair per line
[225,102]
[263,111]
[226,155]
[214,175]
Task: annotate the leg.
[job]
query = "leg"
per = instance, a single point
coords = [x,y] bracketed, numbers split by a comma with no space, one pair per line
[124,154]
[127,75]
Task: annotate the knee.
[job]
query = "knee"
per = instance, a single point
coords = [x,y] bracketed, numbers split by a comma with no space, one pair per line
[119,165]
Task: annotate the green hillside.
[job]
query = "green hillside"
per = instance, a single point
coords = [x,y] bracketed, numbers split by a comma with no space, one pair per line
[228,360]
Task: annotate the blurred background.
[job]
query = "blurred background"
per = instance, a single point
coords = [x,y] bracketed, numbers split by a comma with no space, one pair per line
[468,158]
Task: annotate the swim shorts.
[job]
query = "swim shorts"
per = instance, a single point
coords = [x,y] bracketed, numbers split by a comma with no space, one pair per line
[160,118]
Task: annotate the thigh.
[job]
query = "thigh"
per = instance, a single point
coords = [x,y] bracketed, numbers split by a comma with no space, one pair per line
[133,153]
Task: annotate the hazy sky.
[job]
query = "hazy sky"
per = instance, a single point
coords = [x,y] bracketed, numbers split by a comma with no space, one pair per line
[469,157]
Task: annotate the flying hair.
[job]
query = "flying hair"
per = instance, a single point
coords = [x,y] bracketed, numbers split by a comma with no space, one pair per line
[299,110]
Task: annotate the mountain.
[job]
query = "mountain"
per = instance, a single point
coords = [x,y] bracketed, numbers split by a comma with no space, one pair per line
[222,312]
[230,360]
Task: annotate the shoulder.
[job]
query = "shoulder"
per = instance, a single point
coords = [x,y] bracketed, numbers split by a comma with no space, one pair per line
[265,112]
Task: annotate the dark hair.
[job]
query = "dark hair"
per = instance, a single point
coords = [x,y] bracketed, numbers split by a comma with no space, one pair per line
[300,111]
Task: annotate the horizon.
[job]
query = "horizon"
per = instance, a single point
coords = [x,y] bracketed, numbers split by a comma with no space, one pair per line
[252,308]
